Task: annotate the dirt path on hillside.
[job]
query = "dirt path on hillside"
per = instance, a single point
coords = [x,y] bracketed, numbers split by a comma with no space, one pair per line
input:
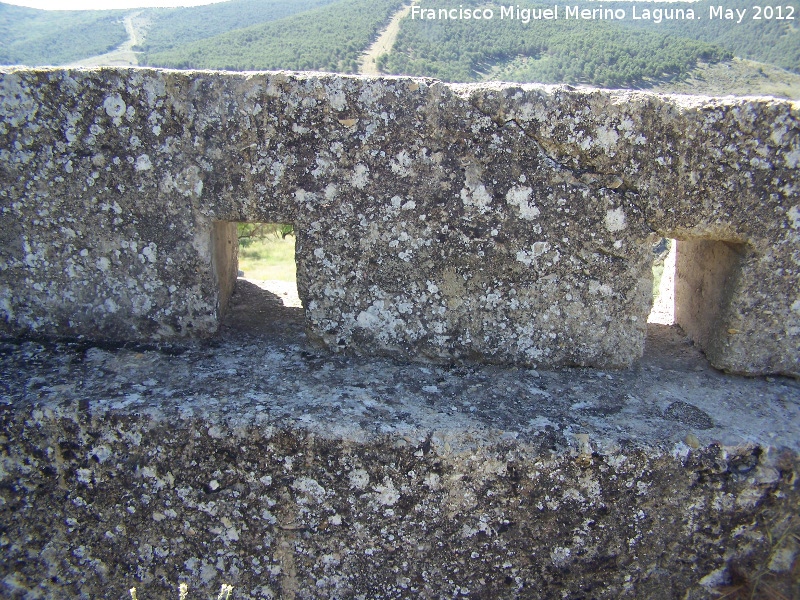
[124,55]
[383,45]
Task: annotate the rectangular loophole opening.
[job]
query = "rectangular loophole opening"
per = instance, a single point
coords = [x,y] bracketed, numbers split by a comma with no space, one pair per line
[664,256]
[694,280]
[267,259]
[264,301]
[666,344]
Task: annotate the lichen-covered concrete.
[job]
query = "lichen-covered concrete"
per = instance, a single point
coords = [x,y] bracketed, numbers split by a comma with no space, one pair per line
[257,461]
[498,223]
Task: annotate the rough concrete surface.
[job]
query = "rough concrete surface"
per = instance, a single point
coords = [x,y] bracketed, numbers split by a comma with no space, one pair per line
[496,231]
[492,222]
[256,460]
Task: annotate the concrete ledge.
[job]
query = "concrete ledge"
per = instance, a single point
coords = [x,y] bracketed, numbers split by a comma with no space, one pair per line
[498,223]
[291,473]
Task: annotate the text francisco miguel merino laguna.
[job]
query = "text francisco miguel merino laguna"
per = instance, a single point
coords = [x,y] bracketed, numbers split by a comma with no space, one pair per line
[556,12]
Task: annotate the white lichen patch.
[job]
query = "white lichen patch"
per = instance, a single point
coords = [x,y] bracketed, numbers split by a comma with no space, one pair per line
[337,99]
[792,158]
[559,555]
[311,488]
[784,558]
[386,494]
[143,163]
[17,105]
[360,176]
[401,165]
[520,196]
[606,137]
[528,257]
[794,216]
[359,479]
[716,578]
[379,320]
[114,105]
[615,220]
[475,194]
[149,252]
[331,191]
[188,182]
[603,289]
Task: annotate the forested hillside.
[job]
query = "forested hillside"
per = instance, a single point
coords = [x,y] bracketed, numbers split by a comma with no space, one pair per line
[179,26]
[774,41]
[327,39]
[40,37]
[604,53]
[331,35]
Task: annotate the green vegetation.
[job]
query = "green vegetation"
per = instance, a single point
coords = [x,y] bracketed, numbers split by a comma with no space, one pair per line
[179,26]
[773,41]
[325,39]
[739,77]
[330,35]
[266,251]
[40,37]
[660,251]
[603,53]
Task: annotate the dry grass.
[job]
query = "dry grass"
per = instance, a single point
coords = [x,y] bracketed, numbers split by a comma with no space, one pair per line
[271,258]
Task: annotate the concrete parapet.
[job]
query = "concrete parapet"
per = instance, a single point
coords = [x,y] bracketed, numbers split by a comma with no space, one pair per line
[289,473]
[499,223]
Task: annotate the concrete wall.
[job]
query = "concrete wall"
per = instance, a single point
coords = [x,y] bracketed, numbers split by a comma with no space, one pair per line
[225,260]
[500,223]
[706,277]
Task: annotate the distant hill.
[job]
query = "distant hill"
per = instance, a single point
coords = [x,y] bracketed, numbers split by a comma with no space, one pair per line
[774,41]
[331,35]
[330,38]
[175,27]
[597,52]
[38,37]
[41,37]
[739,77]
